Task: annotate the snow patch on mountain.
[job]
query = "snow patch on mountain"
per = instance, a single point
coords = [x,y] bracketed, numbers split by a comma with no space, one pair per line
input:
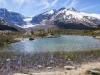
[50,12]
[28,26]
[78,15]
[28,19]
[28,23]
[91,15]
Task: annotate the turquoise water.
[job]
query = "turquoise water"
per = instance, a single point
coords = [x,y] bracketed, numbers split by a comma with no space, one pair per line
[63,43]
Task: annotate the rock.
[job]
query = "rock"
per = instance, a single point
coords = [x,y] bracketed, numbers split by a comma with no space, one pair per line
[69,67]
[39,66]
[49,67]
[95,71]
[19,74]
[97,37]
[31,38]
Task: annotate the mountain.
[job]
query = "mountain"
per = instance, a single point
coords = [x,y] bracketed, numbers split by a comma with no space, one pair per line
[44,16]
[12,17]
[5,26]
[65,18]
[68,18]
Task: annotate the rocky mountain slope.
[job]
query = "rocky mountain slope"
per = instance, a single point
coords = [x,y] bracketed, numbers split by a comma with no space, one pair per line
[68,19]
[5,26]
[65,18]
[11,17]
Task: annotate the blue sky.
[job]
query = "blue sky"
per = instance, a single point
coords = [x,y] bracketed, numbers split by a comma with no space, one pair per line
[34,7]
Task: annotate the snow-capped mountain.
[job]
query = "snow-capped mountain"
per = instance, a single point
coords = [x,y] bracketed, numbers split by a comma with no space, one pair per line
[44,16]
[4,25]
[68,18]
[11,17]
[73,13]
[73,16]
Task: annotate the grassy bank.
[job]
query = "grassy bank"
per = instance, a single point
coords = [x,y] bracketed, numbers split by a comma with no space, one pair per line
[9,37]
[73,56]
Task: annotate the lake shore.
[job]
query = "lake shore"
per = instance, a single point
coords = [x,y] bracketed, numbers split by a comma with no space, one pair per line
[80,70]
[48,62]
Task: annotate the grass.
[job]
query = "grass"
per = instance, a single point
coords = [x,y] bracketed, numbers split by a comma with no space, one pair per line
[73,56]
[9,37]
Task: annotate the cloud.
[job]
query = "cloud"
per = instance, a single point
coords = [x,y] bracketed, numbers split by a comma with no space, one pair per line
[20,3]
[71,3]
[45,3]
[54,2]
[89,7]
[49,3]
[66,3]
[2,3]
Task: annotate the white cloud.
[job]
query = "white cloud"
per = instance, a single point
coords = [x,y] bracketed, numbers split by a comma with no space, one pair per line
[66,3]
[20,3]
[89,7]
[71,3]
[2,3]
[45,3]
[54,2]
[49,4]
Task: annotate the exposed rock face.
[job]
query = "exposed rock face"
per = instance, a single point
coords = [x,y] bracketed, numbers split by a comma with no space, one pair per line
[68,19]
[11,17]
[6,26]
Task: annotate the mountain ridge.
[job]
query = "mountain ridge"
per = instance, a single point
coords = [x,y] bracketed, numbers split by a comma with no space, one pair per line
[67,17]
[11,17]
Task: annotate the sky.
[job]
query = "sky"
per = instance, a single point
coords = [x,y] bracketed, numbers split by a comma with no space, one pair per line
[35,7]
